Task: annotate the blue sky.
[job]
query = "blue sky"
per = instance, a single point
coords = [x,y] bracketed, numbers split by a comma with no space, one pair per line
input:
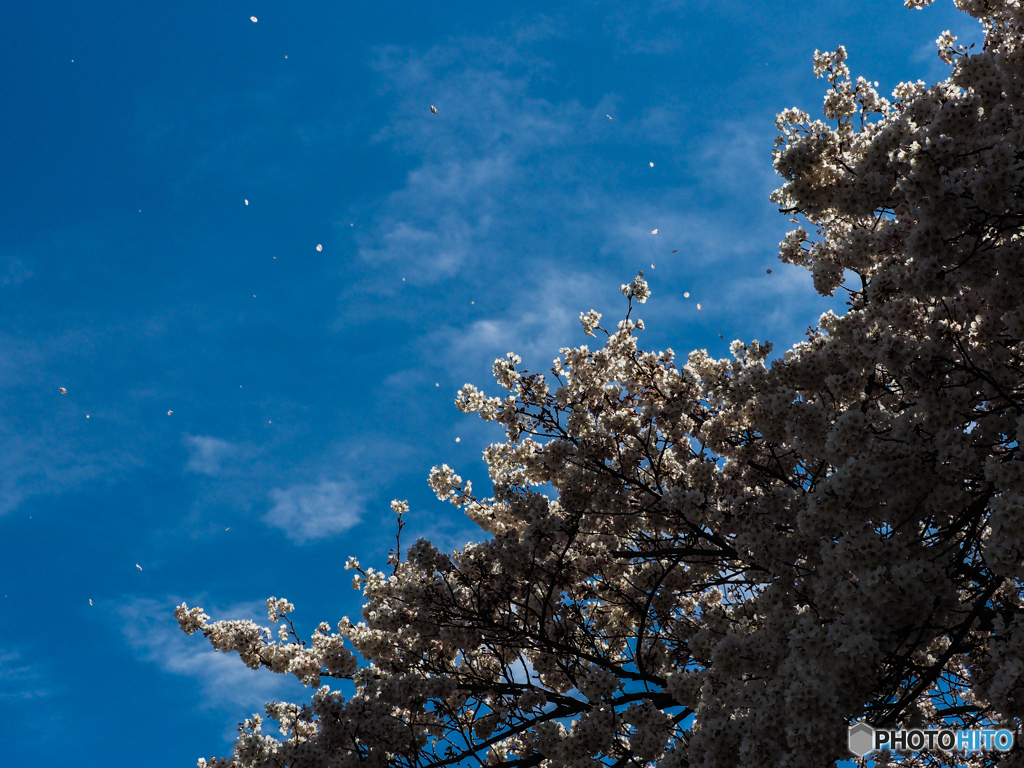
[307,388]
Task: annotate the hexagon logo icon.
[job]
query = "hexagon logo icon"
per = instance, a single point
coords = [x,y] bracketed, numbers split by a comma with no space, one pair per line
[861,739]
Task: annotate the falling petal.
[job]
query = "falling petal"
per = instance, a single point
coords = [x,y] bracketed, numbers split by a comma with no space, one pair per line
[63,391]
[721,336]
[252,19]
[246,202]
[319,247]
[686,295]
[699,307]
[609,117]
[458,439]
[433,109]
[138,566]
[654,231]
[227,529]
[169,413]
[652,165]
[652,266]
[90,601]
[87,415]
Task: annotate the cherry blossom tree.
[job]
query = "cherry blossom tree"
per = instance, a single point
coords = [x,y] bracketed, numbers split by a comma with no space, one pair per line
[741,556]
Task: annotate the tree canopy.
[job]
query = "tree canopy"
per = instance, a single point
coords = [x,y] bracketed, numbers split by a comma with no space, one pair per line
[741,556]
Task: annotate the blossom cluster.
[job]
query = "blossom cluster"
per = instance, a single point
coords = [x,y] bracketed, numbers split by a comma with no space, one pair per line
[740,556]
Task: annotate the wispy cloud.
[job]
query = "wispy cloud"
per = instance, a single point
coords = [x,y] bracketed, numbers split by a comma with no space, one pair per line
[535,330]
[20,679]
[32,701]
[13,271]
[47,462]
[526,201]
[310,512]
[506,176]
[208,454]
[643,27]
[475,152]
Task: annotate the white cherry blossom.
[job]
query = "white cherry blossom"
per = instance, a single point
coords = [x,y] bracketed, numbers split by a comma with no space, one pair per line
[708,563]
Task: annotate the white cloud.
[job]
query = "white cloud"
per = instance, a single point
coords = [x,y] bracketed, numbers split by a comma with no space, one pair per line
[19,680]
[456,203]
[535,330]
[642,28]
[738,162]
[47,462]
[208,454]
[509,183]
[13,271]
[310,512]
[517,203]
[152,632]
